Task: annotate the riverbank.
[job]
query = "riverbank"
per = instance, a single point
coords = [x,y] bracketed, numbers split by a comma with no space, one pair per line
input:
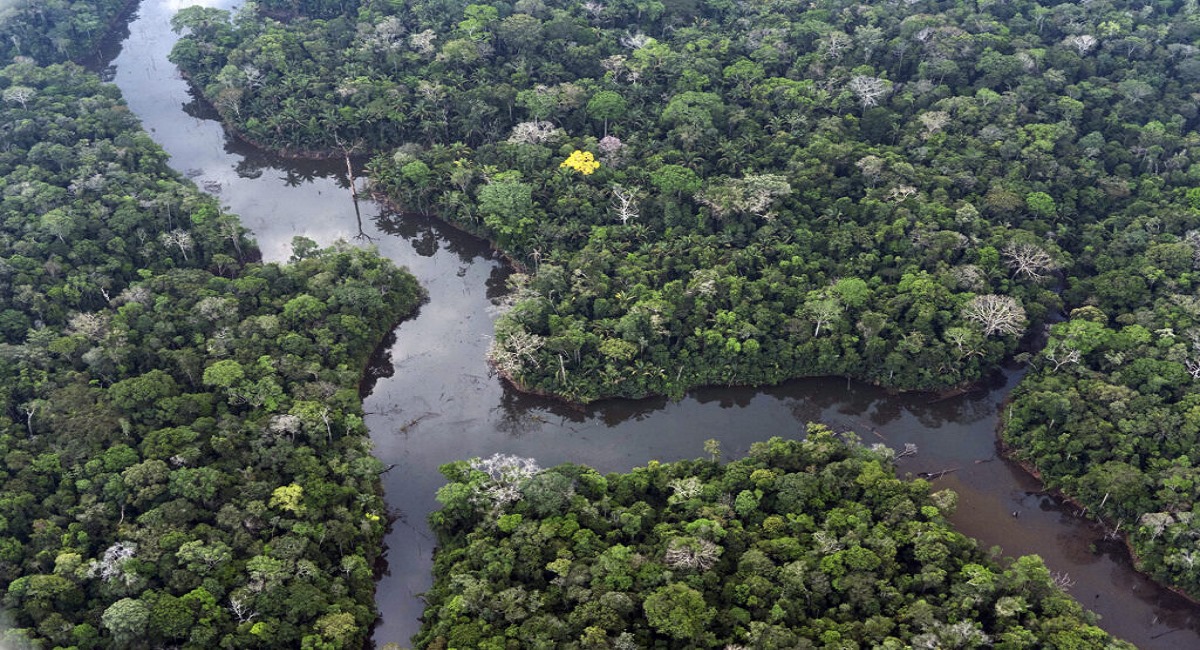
[1083,512]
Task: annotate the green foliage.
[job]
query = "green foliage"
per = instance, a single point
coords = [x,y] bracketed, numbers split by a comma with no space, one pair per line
[745,191]
[1110,416]
[185,461]
[835,550]
[507,207]
[50,31]
[678,611]
[224,374]
[126,620]
[830,189]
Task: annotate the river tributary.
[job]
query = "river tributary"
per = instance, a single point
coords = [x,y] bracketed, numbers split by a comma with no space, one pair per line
[433,399]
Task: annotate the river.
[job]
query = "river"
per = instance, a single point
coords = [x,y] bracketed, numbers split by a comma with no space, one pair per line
[432,398]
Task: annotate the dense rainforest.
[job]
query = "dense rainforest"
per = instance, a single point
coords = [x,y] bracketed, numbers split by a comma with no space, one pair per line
[811,544]
[184,457]
[775,190]
[53,31]
[700,193]
[714,193]
[727,218]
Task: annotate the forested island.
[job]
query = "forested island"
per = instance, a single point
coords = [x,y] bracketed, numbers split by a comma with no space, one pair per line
[184,458]
[803,544]
[697,193]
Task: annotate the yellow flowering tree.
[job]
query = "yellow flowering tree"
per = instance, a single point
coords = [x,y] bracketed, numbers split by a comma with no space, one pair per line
[583,162]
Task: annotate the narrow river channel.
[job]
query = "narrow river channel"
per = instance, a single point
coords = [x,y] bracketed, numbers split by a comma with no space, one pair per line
[432,399]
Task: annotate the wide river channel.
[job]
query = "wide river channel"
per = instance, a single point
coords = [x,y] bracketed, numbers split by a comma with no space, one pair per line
[431,398]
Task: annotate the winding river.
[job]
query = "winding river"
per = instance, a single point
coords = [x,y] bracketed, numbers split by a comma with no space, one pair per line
[432,399]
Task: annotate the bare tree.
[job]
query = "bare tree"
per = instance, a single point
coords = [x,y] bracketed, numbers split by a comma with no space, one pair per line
[511,353]
[611,151]
[1193,367]
[30,409]
[285,424]
[969,277]
[827,542]
[1062,580]
[836,44]
[996,314]
[869,90]
[1028,61]
[1192,359]
[255,78]
[594,9]
[423,42]
[1061,353]
[751,195]
[19,95]
[229,100]
[230,228]
[635,41]
[1157,522]
[901,193]
[614,64]
[691,553]
[684,489]
[93,325]
[1185,557]
[240,610]
[624,204]
[824,311]
[112,565]
[934,121]
[963,634]
[1029,260]
[180,239]
[507,476]
[506,467]
[386,36]
[871,168]
[1083,43]
[534,133]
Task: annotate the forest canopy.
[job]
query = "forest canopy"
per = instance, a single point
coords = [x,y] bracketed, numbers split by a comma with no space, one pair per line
[897,192]
[53,31]
[803,544]
[700,193]
[893,192]
[184,460]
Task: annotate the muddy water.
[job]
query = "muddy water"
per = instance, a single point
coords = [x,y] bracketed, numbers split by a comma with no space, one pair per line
[433,400]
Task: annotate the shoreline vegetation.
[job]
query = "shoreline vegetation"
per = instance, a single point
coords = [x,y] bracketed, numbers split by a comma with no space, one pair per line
[821,544]
[185,461]
[1081,511]
[389,203]
[59,32]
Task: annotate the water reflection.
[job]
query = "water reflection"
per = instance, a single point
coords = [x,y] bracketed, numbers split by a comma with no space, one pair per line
[379,367]
[421,232]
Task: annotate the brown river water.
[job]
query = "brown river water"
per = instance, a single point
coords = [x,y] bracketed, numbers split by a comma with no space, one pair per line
[431,398]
